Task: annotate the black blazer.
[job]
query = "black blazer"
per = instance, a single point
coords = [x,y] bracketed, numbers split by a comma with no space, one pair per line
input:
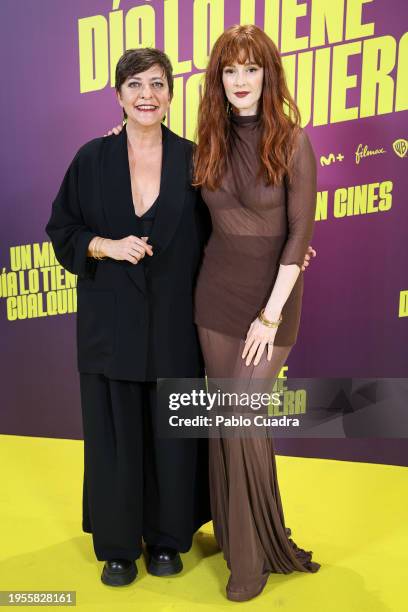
[134,321]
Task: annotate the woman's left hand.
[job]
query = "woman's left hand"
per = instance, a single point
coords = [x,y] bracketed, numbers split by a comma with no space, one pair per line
[258,338]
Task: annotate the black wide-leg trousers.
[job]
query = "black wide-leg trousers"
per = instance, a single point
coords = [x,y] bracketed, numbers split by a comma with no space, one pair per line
[137,485]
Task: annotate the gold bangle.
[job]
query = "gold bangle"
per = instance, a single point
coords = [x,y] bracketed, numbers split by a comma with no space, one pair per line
[93,250]
[96,248]
[99,250]
[268,323]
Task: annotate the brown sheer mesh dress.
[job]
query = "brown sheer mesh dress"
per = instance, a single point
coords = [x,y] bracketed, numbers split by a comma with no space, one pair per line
[255,229]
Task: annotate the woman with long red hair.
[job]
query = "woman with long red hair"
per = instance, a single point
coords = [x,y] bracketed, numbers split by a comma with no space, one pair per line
[257,172]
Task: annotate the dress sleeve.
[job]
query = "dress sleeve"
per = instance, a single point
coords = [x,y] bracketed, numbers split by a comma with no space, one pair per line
[69,235]
[301,202]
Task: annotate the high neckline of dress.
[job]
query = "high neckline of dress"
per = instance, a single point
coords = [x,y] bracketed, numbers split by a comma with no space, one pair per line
[244,119]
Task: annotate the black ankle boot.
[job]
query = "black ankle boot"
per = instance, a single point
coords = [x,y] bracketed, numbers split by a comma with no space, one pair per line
[118,572]
[163,561]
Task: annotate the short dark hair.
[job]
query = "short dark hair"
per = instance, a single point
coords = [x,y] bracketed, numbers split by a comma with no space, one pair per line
[134,61]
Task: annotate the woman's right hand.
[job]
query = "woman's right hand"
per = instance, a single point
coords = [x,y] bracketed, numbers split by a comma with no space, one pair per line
[131,249]
[115,130]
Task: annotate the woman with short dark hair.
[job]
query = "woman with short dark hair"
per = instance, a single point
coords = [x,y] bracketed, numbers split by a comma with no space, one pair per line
[127,224]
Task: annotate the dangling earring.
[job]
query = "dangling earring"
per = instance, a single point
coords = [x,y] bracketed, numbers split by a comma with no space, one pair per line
[228,108]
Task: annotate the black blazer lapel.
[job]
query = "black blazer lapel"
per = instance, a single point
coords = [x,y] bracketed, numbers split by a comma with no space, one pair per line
[116,187]
[172,196]
[117,199]
[116,193]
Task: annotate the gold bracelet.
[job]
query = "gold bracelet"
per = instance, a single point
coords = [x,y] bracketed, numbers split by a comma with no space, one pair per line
[268,323]
[93,251]
[99,251]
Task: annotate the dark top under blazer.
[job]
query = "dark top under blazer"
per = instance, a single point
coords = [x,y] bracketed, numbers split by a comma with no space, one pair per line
[134,321]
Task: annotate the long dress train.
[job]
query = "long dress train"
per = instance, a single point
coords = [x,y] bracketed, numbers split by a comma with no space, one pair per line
[246,506]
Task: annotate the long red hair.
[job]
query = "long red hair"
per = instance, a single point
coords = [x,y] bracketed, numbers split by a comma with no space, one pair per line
[279,124]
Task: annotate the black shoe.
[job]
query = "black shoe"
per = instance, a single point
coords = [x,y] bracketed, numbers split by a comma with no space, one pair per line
[118,572]
[163,561]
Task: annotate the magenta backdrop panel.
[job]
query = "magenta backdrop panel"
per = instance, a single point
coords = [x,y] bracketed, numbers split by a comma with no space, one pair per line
[354,321]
